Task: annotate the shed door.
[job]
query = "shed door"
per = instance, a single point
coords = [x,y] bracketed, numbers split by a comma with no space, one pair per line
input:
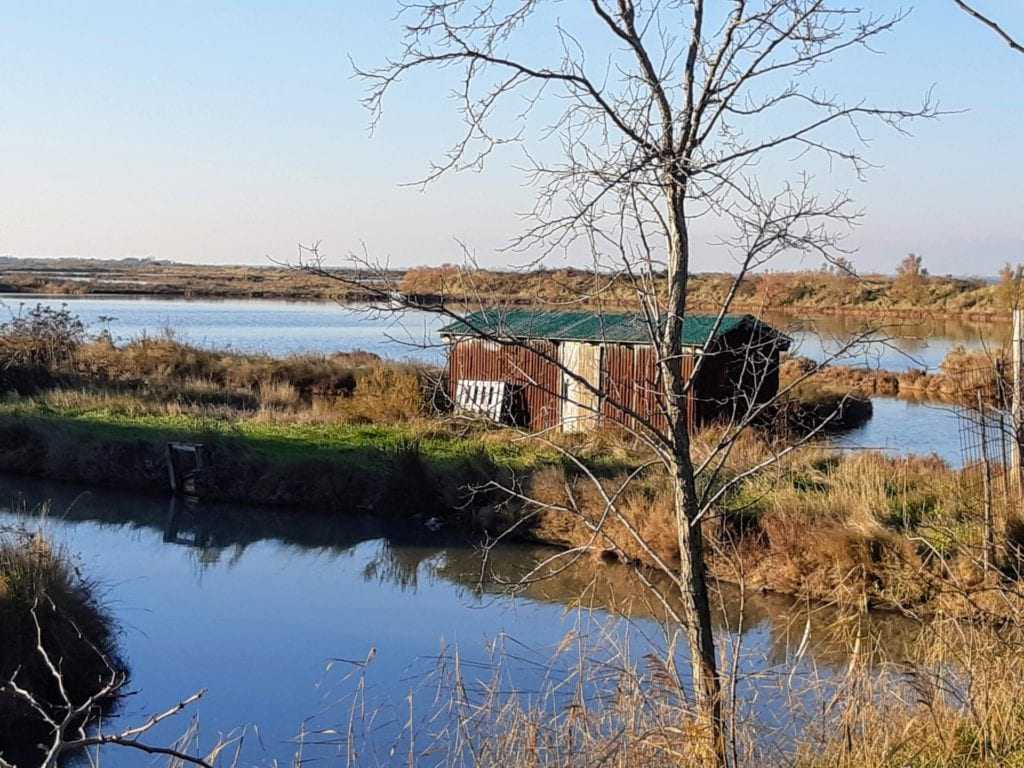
[580,405]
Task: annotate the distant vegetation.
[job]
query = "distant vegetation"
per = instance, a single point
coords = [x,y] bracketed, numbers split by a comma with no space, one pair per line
[835,289]
[140,277]
[831,291]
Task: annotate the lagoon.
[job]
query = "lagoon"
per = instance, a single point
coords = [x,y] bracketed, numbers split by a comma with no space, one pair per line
[273,612]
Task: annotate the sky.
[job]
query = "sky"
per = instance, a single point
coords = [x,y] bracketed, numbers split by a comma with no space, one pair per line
[228,132]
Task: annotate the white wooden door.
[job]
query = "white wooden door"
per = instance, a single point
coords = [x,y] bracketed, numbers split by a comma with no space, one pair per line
[580,403]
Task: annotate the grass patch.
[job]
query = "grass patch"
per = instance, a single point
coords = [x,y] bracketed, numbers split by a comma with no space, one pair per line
[281,440]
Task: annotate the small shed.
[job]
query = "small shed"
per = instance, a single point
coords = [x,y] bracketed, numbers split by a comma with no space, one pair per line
[575,370]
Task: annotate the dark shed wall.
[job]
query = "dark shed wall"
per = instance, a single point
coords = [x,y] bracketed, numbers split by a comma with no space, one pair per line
[476,359]
[739,374]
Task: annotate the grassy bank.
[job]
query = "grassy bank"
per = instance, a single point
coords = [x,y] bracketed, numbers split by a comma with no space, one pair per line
[860,529]
[339,432]
[405,468]
[45,602]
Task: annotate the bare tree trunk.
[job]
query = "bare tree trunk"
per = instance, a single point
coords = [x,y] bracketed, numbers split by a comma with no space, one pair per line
[697,615]
[693,568]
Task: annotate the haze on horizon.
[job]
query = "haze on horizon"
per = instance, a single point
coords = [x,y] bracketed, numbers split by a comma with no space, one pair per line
[217,132]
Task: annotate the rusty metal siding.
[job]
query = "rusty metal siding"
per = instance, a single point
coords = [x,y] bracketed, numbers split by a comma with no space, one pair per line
[476,359]
[617,378]
[632,382]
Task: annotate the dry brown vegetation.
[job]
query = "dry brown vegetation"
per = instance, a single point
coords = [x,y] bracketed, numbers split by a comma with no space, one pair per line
[946,698]
[809,292]
[45,602]
[164,375]
[860,529]
[960,373]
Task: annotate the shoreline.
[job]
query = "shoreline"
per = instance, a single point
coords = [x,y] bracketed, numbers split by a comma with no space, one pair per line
[809,293]
[937,314]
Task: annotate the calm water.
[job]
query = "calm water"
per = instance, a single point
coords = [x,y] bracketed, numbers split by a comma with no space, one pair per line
[254,606]
[901,427]
[273,327]
[892,346]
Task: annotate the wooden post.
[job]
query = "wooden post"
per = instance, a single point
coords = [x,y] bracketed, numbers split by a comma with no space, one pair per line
[990,537]
[184,463]
[1017,359]
[1003,511]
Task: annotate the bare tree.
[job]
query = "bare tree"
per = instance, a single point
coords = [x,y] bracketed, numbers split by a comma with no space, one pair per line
[661,114]
[991,24]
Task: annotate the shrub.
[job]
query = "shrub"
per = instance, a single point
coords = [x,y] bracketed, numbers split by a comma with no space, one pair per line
[910,271]
[40,587]
[43,336]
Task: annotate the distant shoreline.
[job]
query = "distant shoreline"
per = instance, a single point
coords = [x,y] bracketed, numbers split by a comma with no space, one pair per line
[878,297]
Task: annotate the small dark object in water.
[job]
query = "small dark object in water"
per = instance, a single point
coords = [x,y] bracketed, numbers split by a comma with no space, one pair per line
[184,464]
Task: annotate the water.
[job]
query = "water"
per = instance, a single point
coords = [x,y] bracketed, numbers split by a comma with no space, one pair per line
[254,605]
[287,327]
[902,427]
[892,346]
[256,325]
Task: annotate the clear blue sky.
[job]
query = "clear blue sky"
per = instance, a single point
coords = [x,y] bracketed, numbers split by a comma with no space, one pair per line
[221,132]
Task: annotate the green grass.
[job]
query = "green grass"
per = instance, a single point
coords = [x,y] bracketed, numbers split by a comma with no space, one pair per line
[284,441]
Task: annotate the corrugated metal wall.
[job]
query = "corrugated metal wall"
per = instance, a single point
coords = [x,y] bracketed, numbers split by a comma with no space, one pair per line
[631,379]
[476,359]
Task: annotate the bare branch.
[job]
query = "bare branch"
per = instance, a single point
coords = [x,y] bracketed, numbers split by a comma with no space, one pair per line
[991,24]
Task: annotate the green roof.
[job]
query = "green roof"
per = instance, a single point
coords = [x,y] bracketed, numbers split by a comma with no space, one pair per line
[592,326]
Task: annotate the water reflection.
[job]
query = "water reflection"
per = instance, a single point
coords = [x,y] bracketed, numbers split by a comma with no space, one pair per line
[898,345]
[404,557]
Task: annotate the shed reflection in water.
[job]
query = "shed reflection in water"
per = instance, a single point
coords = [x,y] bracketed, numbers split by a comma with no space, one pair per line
[251,604]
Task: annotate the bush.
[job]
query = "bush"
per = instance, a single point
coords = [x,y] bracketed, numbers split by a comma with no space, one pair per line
[39,583]
[43,336]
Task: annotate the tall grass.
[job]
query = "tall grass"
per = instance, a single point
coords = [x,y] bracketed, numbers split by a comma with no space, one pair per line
[862,528]
[164,375]
[45,602]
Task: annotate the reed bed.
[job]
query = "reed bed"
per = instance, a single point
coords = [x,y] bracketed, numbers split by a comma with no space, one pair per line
[865,528]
